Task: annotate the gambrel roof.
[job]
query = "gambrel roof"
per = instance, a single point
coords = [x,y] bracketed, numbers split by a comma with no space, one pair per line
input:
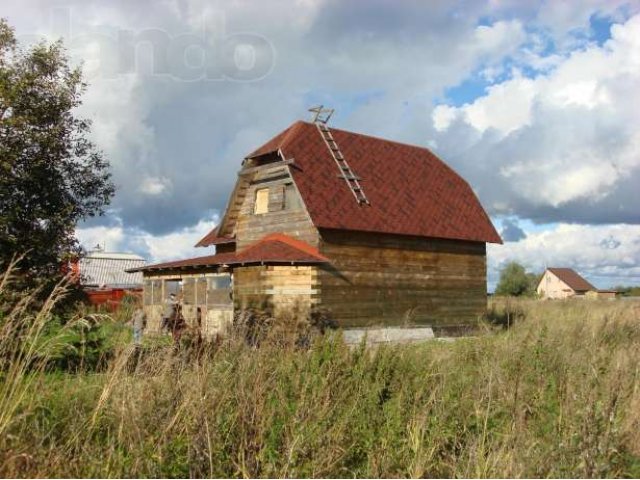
[410,190]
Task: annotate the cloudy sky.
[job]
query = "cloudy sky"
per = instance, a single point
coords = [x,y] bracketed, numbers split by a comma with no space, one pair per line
[536,104]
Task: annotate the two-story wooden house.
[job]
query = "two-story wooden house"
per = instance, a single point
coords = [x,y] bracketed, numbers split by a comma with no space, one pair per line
[378,233]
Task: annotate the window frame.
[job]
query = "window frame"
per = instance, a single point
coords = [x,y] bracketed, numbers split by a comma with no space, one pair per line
[256,203]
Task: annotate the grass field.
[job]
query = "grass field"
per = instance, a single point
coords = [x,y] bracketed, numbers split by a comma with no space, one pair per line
[557,394]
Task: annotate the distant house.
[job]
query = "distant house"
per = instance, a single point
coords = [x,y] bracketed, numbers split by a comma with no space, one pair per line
[379,233]
[563,283]
[104,277]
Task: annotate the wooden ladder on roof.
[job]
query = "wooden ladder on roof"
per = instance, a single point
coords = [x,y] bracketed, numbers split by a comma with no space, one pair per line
[346,173]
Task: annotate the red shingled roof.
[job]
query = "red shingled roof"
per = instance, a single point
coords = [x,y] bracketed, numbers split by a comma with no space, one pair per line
[278,247]
[274,248]
[206,261]
[572,279]
[412,192]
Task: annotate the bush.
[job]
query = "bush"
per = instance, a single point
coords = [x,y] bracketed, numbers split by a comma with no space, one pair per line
[515,281]
[86,342]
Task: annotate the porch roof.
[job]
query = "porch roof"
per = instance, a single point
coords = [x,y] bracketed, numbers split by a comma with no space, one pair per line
[276,248]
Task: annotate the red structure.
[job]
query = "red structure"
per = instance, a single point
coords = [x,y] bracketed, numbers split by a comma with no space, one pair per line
[103,276]
[111,298]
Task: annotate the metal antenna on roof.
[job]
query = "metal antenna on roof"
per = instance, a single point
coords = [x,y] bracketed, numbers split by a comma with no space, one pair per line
[321,114]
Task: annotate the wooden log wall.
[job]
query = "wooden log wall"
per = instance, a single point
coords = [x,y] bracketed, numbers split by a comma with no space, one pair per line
[282,289]
[398,280]
[290,219]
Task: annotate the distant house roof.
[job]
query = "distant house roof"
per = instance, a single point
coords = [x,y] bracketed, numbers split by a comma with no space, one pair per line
[411,191]
[572,278]
[109,269]
[276,248]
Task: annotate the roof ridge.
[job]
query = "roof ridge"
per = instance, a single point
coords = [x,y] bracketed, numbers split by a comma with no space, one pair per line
[374,137]
[276,142]
[289,133]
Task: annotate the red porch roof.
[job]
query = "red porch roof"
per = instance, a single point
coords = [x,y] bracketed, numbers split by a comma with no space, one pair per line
[276,248]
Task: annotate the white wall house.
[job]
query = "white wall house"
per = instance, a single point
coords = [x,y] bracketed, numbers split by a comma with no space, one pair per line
[563,283]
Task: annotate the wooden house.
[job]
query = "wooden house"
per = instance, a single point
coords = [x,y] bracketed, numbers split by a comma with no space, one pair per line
[375,232]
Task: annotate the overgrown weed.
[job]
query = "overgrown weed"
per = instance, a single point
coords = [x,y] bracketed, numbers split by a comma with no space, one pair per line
[556,394]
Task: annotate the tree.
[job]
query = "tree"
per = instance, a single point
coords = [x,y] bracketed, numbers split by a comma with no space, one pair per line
[51,174]
[515,281]
[627,291]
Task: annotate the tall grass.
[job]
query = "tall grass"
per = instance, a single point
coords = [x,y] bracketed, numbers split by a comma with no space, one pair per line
[557,394]
[24,350]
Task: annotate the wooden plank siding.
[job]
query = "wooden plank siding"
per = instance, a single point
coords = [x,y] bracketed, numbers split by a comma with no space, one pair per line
[292,220]
[277,287]
[399,280]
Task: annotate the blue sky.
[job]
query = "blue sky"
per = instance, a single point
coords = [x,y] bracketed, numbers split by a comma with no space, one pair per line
[535,104]
[474,86]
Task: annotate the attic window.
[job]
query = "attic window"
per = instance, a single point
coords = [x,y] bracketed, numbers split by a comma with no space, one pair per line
[262,201]
[265,159]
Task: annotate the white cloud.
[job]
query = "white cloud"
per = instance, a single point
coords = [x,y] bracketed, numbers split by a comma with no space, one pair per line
[180,244]
[563,136]
[506,107]
[608,255]
[111,239]
[584,79]
[443,116]
[563,145]
[564,17]
[155,248]
[501,36]
[154,185]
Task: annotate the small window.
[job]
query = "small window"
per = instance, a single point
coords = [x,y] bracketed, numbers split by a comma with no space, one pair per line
[262,201]
[291,197]
[172,286]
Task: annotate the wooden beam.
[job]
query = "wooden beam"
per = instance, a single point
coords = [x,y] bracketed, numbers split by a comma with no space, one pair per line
[281,163]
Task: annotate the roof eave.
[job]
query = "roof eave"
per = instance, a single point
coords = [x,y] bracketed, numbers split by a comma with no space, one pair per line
[236,263]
